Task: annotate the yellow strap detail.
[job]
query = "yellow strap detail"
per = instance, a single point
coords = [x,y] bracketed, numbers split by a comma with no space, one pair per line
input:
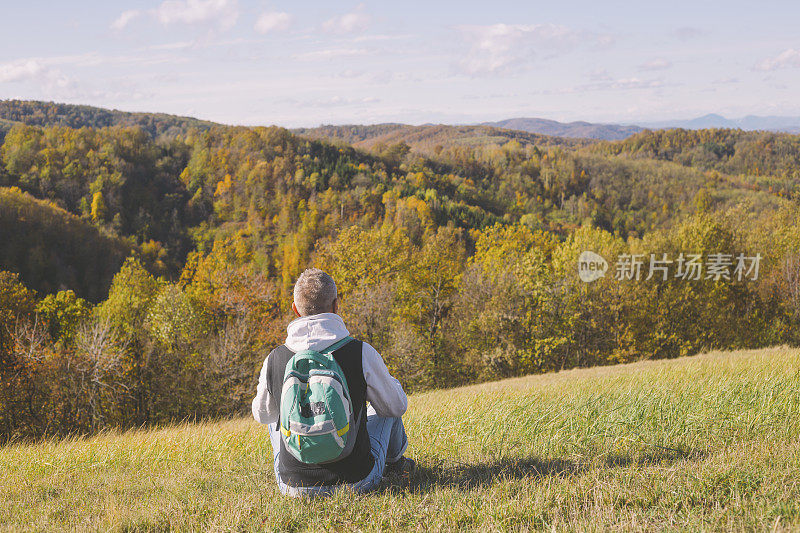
[343,430]
[285,431]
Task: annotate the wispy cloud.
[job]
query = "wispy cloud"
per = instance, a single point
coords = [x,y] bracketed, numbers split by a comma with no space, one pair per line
[273,21]
[355,21]
[50,67]
[223,13]
[499,47]
[179,45]
[383,37]
[602,81]
[622,84]
[125,18]
[34,70]
[600,75]
[788,58]
[331,53]
[656,64]
[688,32]
[21,70]
[606,40]
[335,101]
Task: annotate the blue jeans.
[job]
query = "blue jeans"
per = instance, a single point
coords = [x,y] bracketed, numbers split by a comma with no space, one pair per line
[388,443]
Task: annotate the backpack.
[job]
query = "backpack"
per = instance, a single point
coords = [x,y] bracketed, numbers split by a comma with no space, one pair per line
[316,421]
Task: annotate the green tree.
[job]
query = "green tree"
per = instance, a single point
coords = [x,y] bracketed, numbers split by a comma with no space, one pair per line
[99,209]
[426,293]
[129,299]
[63,313]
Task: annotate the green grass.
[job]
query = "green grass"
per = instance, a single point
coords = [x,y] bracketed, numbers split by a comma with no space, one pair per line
[703,443]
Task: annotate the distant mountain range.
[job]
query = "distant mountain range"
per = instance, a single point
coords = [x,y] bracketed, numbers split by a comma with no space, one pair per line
[612,132]
[527,130]
[749,123]
[583,130]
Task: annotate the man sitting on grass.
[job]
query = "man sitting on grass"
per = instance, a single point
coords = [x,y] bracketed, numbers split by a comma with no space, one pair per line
[378,439]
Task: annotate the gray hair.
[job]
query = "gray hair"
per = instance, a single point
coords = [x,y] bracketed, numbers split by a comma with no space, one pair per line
[314,292]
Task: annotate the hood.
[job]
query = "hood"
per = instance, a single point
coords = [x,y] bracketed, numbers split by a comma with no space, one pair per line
[315,332]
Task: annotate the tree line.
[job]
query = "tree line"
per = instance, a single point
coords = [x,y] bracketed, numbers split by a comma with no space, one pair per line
[441,314]
[459,268]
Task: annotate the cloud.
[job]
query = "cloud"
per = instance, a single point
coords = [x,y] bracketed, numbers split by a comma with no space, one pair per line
[331,53]
[600,75]
[606,40]
[788,58]
[377,37]
[179,45]
[49,69]
[688,32]
[225,12]
[169,12]
[498,47]
[350,73]
[355,21]
[335,101]
[622,84]
[125,18]
[37,71]
[635,83]
[602,81]
[273,21]
[655,64]
[21,70]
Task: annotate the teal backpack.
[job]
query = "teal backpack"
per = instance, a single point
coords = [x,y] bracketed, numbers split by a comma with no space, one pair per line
[316,409]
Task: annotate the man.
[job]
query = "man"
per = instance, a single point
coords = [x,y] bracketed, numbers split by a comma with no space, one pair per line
[380,439]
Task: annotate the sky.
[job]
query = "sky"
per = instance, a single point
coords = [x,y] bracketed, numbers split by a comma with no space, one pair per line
[308,63]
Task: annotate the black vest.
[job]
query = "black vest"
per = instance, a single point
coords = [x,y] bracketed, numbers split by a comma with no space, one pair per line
[355,466]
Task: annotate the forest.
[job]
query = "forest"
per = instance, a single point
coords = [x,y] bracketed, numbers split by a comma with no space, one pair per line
[147,261]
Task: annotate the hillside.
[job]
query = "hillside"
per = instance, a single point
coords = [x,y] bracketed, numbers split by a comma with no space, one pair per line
[579,129]
[459,267]
[758,160]
[710,442]
[5,126]
[35,113]
[53,250]
[431,139]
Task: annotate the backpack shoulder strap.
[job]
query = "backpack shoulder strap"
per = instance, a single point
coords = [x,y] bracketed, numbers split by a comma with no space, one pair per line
[336,345]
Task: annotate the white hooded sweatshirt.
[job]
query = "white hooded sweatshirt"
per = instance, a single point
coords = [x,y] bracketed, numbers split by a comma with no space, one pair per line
[317,332]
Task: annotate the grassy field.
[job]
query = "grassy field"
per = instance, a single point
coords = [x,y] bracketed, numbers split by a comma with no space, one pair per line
[710,442]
